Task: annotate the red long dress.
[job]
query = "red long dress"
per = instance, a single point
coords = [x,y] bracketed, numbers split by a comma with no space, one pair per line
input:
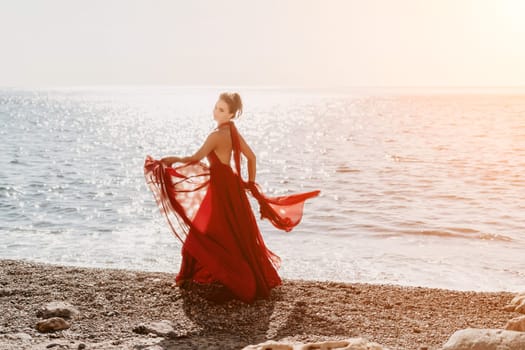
[208,210]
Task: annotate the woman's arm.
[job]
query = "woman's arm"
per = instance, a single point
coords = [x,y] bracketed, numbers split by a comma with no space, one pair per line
[207,147]
[252,161]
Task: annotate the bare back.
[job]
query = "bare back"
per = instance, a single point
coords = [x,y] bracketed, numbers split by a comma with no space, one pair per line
[224,147]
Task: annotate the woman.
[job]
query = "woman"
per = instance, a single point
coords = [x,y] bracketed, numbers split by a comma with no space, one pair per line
[208,210]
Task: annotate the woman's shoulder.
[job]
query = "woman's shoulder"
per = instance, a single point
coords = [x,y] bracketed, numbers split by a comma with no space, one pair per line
[219,135]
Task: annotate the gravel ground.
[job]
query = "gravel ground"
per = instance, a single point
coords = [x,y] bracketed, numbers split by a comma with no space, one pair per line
[112,303]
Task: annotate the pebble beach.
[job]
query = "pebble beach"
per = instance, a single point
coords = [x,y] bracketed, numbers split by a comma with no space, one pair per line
[123,309]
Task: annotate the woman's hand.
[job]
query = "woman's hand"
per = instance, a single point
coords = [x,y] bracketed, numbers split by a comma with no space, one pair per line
[170,160]
[250,185]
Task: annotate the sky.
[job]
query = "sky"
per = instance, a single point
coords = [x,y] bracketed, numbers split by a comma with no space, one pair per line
[305,43]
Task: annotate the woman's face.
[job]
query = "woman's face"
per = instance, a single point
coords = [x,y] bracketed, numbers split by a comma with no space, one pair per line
[221,112]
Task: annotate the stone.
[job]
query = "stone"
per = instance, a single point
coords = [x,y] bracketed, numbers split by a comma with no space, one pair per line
[485,339]
[347,344]
[52,324]
[517,304]
[270,345]
[19,336]
[57,309]
[521,307]
[154,347]
[163,328]
[516,324]
[5,292]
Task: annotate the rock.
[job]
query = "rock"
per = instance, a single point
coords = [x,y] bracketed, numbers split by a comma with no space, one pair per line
[163,328]
[521,308]
[5,292]
[485,339]
[81,346]
[154,347]
[18,336]
[52,324]
[516,324]
[270,345]
[517,304]
[57,309]
[348,344]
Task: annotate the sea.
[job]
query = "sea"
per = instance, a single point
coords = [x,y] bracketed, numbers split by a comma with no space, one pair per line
[419,187]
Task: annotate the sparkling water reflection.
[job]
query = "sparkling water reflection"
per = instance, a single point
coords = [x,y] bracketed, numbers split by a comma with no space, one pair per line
[416,189]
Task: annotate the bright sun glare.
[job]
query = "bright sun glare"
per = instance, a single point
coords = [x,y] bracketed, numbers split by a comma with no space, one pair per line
[514,15]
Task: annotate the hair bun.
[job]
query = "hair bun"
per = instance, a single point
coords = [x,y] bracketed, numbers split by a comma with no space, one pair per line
[234,102]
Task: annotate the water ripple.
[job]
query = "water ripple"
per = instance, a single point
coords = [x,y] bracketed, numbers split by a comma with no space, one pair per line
[405,180]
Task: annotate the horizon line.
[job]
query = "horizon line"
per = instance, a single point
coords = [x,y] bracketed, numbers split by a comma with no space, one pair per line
[268,86]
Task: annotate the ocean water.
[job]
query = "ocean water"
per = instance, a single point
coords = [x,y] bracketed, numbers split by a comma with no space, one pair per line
[421,189]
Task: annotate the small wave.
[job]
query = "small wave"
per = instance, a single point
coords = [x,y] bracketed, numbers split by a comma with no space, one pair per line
[345,169]
[43,224]
[18,162]
[403,159]
[465,230]
[455,233]
[452,197]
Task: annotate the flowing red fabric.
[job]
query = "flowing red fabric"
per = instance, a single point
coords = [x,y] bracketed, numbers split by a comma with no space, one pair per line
[209,212]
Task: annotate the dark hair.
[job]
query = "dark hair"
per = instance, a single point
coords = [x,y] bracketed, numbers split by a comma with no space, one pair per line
[233,100]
